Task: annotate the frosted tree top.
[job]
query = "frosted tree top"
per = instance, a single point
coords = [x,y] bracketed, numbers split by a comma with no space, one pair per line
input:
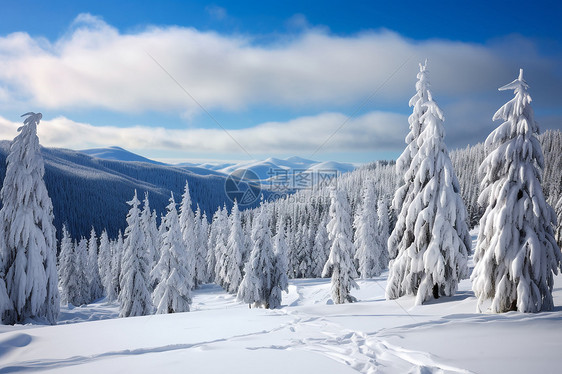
[32,117]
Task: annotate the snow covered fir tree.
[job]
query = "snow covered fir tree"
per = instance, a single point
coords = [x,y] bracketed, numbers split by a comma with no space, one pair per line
[172,272]
[430,243]
[340,264]
[370,251]
[516,254]
[69,272]
[135,296]
[230,272]
[93,274]
[259,280]
[189,229]
[27,234]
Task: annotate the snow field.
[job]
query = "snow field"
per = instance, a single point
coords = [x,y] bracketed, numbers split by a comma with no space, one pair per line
[309,334]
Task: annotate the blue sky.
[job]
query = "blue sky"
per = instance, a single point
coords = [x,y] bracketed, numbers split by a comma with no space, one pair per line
[167,79]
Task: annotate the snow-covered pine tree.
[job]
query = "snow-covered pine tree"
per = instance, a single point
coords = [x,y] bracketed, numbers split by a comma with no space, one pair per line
[116,262]
[258,282]
[69,282]
[321,248]
[201,237]
[340,264]
[231,273]
[305,250]
[188,230]
[211,246]
[81,253]
[431,257]
[221,239]
[92,270]
[173,292]
[150,232]
[367,242]
[135,298]
[383,230]
[27,235]
[104,265]
[247,227]
[402,235]
[280,266]
[516,253]
[156,234]
[293,242]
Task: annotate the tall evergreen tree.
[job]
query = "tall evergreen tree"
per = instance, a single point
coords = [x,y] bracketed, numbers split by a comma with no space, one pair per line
[280,267]
[383,230]
[368,243]
[173,292]
[135,297]
[430,243]
[188,229]
[81,252]
[211,246]
[69,275]
[27,236]
[222,232]
[258,282]
[402,235]
[340,264]
[320,249]
[104,264]
[150,232]
[116,262]
[516,254]
[201,237]
[92,270]
[230,271]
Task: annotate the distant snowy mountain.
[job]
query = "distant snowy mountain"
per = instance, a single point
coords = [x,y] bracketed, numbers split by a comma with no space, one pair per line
[290,172]
[118,154]
[293,172]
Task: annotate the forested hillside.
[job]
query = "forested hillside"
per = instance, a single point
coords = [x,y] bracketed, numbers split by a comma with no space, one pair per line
[88,191]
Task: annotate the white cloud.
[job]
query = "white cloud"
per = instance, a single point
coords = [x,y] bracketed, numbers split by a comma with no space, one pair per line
[372,131]
[96,66]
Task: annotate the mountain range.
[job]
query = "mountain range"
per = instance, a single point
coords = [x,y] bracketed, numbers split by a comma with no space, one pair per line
[91,188]
[269,171]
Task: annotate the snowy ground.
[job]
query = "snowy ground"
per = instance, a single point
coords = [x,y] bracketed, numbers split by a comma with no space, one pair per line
[307,335]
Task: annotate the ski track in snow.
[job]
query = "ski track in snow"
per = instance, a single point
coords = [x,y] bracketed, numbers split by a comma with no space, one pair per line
[362,352]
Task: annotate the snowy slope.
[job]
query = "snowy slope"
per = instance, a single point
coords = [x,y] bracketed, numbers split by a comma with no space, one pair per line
[307,335]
